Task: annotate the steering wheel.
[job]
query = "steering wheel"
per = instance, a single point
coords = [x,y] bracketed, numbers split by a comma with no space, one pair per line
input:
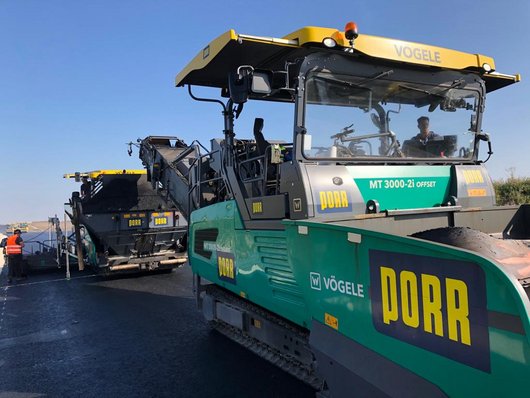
[343,133]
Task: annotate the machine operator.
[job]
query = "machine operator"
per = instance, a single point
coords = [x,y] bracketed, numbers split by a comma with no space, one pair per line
[425,134]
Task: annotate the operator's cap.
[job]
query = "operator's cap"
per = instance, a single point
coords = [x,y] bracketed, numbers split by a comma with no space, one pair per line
[17,231]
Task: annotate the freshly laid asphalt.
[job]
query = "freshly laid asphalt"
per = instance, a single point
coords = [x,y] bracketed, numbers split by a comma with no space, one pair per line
[132,336]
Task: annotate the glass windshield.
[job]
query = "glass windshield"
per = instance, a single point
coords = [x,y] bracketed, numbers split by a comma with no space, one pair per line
[365,117]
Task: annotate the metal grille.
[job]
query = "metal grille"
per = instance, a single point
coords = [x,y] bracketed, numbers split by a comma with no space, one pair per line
[273,256]
[205,235]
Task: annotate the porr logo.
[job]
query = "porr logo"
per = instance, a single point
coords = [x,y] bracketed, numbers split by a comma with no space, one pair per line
[437,304]
[257,207]
[334,201]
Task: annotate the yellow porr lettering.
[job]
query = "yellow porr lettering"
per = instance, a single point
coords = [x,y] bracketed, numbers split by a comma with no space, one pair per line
[478,177]
[333,199]
[409,299]
[323,201]
[329,197]
[257,207]
[457,310]
[468,176]
[221,262]
[389,295]
[432,304]
[135,223]
[473,177]
[401,302]
[226,267]
[343,199]
[336,198]
[231,268]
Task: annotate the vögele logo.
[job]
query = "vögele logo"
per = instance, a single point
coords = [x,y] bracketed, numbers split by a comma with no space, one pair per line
[315,280]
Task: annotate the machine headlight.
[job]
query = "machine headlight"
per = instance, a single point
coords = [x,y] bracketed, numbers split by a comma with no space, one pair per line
[329,42]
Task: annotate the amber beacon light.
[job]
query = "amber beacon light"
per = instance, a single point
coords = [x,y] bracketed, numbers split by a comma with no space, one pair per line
[350,32]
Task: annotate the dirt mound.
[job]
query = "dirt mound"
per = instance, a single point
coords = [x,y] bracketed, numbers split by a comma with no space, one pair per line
[39,226]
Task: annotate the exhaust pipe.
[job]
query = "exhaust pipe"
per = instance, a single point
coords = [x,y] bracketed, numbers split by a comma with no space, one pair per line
[180,260]
[124,266]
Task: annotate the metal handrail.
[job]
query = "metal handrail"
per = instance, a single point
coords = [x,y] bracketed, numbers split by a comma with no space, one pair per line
[197,185]
[41,245]
[263,175]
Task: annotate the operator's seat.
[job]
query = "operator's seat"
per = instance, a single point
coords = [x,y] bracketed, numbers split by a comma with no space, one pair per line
[261,142]
[261,150]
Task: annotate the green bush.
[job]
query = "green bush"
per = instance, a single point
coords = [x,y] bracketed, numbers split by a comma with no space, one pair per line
[514,191]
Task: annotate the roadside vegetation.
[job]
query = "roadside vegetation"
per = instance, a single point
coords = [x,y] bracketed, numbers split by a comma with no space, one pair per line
[513,191]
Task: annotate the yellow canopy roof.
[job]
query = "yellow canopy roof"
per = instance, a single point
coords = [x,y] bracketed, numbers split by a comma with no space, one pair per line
[212,65]
[97,173]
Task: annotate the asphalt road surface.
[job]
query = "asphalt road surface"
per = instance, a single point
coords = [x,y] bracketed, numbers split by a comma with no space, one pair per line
[134,336]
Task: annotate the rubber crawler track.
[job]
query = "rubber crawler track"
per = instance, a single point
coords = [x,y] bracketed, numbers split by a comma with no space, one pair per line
[289,364]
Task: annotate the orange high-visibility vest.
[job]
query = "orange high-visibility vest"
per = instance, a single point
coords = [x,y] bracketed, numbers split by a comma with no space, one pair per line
[12,247]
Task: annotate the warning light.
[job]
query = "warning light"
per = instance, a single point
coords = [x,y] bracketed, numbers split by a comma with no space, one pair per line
[350,32]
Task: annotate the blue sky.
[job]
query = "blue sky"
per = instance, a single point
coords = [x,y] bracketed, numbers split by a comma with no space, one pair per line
[79,79]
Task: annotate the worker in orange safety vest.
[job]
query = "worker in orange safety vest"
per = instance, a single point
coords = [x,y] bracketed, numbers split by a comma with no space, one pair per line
[14,247]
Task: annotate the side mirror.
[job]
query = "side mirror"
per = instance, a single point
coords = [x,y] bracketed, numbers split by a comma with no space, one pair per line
[375,120]
[261,83]
[246,81]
